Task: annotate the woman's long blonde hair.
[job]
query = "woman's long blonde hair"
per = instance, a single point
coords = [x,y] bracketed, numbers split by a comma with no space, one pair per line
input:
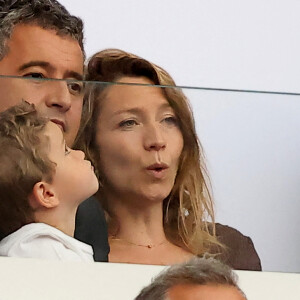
[188,210]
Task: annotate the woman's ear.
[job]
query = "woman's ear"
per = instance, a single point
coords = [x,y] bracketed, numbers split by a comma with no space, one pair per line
[43,195]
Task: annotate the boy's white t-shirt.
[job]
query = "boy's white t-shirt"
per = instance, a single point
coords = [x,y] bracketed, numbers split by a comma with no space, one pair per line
[39,240]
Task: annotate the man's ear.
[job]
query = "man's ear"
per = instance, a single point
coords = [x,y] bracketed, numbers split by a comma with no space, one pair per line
[43,195]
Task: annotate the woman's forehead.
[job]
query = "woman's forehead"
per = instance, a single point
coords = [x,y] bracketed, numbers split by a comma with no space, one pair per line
[128,97]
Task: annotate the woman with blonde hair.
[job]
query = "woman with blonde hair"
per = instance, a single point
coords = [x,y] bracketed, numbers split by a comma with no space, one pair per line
[154,186]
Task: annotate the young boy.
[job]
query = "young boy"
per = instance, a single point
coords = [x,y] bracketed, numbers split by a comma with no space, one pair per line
[42,182]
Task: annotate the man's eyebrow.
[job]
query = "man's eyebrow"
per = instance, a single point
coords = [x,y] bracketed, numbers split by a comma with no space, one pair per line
[73,74]
[44,64]
[34,63]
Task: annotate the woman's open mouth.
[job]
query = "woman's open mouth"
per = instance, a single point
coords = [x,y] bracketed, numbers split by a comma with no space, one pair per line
[157,170]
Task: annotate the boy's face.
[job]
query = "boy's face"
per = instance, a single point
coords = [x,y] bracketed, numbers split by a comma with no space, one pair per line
[74,179]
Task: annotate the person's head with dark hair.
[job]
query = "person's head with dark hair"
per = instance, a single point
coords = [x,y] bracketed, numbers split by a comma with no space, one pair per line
[40,39]
[41,179]
[47,14]
[199,278]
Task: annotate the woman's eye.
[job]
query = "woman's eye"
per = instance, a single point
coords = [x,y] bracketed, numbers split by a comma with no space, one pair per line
[171,120]
[128,123]
[75,88]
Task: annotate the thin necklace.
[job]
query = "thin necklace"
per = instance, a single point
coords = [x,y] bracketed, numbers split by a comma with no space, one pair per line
[149,246]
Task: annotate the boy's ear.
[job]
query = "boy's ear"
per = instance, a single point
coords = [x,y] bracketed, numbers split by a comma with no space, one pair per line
[43,195]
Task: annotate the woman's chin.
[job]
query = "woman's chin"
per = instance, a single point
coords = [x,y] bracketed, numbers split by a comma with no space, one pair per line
[156,196]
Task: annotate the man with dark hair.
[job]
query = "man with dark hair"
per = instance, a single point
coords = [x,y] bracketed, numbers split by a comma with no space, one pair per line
[199,278]
[40,41]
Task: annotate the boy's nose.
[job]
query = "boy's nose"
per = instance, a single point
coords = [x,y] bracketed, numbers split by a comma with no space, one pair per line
[80,154]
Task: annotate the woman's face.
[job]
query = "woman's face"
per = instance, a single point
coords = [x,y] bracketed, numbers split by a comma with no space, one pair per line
[139,140]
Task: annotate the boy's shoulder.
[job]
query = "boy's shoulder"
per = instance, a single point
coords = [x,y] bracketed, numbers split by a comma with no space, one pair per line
[39,240]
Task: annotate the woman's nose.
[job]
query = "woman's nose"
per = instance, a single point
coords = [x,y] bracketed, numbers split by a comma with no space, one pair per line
[154,138]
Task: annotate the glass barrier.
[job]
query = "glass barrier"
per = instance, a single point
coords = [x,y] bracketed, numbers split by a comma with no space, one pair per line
[143,136]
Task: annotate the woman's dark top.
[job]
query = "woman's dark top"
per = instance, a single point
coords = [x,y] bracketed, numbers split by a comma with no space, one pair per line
[91,228]
[240,253]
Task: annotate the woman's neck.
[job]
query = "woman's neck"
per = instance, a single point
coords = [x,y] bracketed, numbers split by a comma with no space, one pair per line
[137,234]
[137,224]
